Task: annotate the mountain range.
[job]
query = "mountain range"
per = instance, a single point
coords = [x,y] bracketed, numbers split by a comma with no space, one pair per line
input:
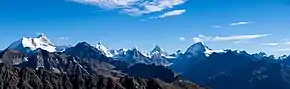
[35,63]
[216,69]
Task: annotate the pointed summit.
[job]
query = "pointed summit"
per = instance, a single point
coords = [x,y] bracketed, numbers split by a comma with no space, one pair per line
[41,35]
[135,48]
[43,38]
[197,48]
[100,43]
[136,51]
[104,49]
[201,48]
[85,50]
[28,44]
[85,44]
[158,49]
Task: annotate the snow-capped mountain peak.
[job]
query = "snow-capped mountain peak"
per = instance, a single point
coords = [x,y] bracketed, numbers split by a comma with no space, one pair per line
[26,44]
[158,49]
[198,47]
[135,48]
[100,43]
[42,37]
[104,49]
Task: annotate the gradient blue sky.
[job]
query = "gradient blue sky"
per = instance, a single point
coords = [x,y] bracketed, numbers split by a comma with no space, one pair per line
[264,24]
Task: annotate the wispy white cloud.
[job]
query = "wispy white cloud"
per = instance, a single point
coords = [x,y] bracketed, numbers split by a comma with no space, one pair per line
[63,38]
[241,42]
[280,46]
[201,38]
[134,7]
[216,26]
[235,38]
[239,23]
[276,44]
[197,39]
[282,49]
[182,39]
[270,44]
[239,37]
[287,43]
[172,13]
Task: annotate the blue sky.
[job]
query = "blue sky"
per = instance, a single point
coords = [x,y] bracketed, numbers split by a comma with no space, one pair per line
[251,25]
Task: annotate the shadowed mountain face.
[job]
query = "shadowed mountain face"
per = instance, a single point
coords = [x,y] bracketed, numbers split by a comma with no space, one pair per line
[84,50]
[232,70]
[12,57]
[25,78]
[152,71]
[59,63]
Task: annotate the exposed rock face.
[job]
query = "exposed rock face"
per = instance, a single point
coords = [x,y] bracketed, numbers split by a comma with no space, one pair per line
[25,78]
[84,50]
[152,71]
[134,56]
[12,57]
[45,70]
[61,63]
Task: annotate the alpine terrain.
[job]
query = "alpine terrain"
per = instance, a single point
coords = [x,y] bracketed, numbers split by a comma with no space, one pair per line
[35,63]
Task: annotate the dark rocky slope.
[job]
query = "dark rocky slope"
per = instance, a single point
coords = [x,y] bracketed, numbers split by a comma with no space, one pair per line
[151,71]
[25,78]
[233,70]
